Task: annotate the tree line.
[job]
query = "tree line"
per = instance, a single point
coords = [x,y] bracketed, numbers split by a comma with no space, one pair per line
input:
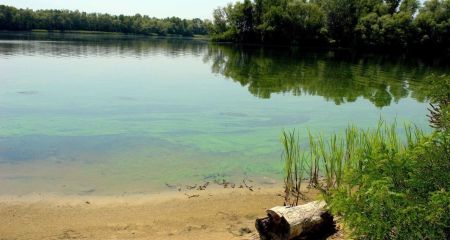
[374,24]
[15,19]
[370,24]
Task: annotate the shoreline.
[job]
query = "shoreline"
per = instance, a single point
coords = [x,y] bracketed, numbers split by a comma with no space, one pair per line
[214,214]
[136,198]
[110,34]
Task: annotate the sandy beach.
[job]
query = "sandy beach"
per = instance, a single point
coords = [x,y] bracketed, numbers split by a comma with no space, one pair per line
[214,214]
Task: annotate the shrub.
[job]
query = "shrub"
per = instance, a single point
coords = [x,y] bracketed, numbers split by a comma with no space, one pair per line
[398,195]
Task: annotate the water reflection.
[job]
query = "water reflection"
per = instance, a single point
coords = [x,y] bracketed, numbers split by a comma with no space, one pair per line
[337,76]
[83,45]
[340,77]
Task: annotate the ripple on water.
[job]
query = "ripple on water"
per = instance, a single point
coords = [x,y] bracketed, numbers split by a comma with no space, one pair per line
[28,92]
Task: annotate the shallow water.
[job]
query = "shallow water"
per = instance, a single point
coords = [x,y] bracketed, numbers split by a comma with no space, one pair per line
[97,114]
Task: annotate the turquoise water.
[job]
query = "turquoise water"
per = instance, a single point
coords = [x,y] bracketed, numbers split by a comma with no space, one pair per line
[100,115]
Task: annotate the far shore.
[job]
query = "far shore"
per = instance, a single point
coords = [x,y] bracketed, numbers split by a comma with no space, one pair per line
[116,34]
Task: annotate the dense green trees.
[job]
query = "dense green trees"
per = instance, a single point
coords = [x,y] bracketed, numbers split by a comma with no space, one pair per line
[25,19]
[433,24]
[388,24]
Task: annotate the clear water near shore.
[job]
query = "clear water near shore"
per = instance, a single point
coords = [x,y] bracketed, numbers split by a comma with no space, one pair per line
[95,115]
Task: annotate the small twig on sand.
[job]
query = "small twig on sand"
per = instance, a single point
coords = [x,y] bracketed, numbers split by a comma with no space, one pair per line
[203,187]
[191,187]
[170,186]
[224,183]
[192,196]
[247,186]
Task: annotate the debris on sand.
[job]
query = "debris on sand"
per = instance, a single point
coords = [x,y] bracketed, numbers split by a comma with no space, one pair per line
[192,196]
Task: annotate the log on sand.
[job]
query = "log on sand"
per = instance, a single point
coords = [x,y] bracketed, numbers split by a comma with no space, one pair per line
[284,223]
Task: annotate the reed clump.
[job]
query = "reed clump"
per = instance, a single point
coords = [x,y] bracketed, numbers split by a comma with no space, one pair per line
[294,168]
[324,161]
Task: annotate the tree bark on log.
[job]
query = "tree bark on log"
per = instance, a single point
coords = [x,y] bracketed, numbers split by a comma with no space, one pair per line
[285,223]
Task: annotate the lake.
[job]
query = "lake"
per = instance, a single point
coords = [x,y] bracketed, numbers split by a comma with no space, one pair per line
[113,114]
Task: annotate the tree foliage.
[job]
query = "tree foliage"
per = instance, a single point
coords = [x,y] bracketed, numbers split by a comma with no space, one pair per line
[389,24]
[63,20]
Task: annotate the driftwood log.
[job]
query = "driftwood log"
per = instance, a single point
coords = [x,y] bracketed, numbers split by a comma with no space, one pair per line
[285,223]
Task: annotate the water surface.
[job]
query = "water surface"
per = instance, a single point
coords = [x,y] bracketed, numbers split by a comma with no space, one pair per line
[123,115]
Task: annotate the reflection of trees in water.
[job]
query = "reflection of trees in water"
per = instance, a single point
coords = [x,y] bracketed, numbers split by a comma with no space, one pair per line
[80,45]
[337,77]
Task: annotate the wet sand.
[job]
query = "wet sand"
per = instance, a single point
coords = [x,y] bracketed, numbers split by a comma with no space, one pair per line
[214,214]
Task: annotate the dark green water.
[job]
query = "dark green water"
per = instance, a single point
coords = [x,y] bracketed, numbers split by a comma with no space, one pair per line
[84,114]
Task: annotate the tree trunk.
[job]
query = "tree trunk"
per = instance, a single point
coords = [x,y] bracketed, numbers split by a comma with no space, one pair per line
[285,223]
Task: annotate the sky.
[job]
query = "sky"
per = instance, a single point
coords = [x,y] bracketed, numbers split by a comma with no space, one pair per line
[155,8]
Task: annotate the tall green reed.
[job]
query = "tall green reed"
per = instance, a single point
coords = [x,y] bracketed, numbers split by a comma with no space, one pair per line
[294,167]
[325,160]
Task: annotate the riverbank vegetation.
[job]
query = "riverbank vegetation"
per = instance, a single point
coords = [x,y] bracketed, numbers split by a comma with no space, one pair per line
[401,25]
[384,185]
[14,19]
[374,24]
